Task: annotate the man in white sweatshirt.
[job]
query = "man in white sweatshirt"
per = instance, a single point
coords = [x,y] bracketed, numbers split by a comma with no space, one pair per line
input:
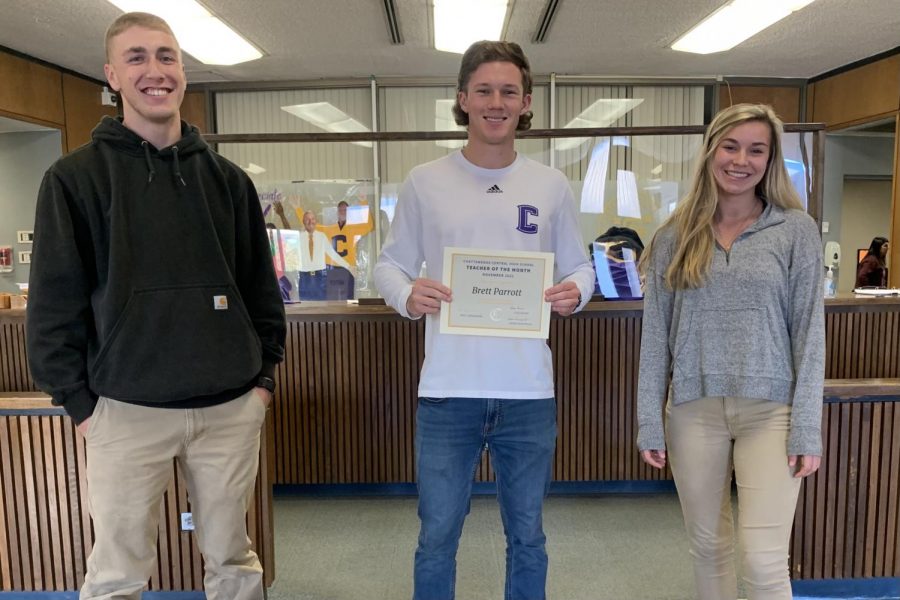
[478,391]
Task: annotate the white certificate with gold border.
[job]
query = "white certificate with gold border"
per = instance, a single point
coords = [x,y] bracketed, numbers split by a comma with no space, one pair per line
[497,293]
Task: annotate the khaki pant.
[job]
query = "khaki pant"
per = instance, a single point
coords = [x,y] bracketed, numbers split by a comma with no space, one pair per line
[708,439]
[129,464]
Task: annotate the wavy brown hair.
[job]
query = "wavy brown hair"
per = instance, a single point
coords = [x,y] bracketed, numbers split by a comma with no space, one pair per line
[484,52]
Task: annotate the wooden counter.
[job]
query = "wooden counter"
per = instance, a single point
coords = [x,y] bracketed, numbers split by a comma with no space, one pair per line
[46,533]
[344,414]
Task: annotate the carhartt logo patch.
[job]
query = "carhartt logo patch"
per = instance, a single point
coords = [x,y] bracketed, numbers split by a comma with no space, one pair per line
[220,302]
[494,189]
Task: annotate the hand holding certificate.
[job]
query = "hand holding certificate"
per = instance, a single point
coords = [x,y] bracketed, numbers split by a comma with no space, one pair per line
[497,293]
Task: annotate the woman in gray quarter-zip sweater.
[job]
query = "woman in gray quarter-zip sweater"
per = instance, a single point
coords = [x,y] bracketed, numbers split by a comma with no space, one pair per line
[734,329]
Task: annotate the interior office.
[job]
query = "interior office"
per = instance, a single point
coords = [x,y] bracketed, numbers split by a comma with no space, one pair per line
[48,109]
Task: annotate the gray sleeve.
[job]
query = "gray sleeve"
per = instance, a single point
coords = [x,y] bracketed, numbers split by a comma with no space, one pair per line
[806,321]
[653,376]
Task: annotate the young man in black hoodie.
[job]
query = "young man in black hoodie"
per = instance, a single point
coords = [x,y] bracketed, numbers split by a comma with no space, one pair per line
[156,321]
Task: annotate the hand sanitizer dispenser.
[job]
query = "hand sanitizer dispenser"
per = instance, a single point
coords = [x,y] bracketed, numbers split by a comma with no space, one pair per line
[829,282]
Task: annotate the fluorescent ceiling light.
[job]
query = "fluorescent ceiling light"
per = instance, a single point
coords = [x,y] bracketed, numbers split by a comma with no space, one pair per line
[254,169]
[627,202]
[328,117]
[593,192]
[734,23]
[601,113]
[444,121]
[198,32]
[460,23]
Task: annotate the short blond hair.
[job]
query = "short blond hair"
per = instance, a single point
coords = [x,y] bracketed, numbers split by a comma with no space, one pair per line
[136,19]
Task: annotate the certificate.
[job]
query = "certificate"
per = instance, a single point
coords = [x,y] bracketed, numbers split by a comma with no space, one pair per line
[497,293]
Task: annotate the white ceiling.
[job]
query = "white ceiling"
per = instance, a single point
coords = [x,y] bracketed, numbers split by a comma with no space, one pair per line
[313,39]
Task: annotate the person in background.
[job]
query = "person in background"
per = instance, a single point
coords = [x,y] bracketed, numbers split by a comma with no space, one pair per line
[345,237]
[872,269]
[478,392]
[278,207]
[314,246]
[622,280]
[734,328]
[155,320]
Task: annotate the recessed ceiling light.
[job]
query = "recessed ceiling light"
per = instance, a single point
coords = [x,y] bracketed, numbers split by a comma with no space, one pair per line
[199,33]
[601,113]
[460,23]
[328,117]
[254,169]
[735,22]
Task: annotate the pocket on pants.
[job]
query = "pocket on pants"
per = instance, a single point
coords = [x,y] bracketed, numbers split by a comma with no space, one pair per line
[99,410]
[257,405]
[432,401]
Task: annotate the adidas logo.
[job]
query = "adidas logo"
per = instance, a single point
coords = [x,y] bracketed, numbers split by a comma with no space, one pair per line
[494,189]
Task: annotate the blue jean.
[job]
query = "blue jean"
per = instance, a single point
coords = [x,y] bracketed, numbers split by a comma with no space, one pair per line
[451,434]
[312,285]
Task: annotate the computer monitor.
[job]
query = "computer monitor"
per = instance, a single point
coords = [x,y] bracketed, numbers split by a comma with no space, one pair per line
[615,266]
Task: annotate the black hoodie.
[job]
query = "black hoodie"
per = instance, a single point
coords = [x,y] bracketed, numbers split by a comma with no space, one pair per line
[152,280]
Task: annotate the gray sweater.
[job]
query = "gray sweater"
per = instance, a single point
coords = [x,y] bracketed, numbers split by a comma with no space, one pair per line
[756,329]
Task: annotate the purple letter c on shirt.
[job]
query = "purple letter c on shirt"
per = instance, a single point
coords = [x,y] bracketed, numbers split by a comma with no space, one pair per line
[524,225]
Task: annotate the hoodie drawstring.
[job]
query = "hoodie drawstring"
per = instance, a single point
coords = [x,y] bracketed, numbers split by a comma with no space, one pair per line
[176,165]
[146,146]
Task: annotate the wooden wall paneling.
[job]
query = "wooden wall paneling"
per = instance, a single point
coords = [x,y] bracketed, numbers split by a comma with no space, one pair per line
[43,434]
[30,90]
[14,373]
[83,109]
[858,514]
[32,534]
[846,520]
[565,408]
[785,100]
[193,110]
[46,533]
[345,408]
[60,462]
[892,552]
[894,250]
[862,345]
[876,475]
[341,427]
[876,530]
[354,388]
[10,575]
[862,94]
[809,108]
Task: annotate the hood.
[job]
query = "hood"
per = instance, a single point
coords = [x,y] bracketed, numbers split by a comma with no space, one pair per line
[113,132]
[771,215]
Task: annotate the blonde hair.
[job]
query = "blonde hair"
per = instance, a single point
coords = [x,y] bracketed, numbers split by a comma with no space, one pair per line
[136,19]
[692,219]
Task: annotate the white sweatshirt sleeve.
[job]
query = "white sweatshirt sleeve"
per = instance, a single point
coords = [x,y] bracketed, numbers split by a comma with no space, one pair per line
[403,253]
